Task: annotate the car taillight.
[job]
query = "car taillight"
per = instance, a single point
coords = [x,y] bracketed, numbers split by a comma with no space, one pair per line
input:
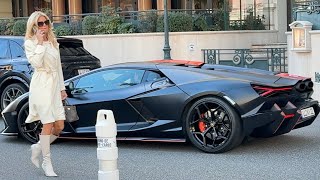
[269,91]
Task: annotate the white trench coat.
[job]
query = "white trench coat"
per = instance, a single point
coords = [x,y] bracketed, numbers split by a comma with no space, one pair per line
[45,102]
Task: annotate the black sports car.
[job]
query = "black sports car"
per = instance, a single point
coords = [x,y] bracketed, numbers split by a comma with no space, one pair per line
[212,106]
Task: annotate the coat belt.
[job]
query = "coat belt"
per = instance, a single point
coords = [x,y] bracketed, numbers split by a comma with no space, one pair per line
[45,70]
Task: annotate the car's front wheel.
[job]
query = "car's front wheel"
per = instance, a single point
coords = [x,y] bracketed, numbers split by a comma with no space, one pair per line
[29,131]
[11,92]
[213,126]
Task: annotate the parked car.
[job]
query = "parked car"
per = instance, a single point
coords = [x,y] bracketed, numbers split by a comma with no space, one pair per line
[213,106]
[16,71]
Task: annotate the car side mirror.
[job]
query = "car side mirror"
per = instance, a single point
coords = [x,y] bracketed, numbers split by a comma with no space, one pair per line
[78,91]
[71,86]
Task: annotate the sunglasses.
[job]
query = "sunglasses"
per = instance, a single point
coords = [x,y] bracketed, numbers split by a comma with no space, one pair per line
[40,24]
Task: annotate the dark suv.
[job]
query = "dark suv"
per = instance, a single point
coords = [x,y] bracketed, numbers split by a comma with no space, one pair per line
[15,71]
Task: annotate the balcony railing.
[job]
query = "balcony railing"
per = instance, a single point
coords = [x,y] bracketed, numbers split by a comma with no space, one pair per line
[270,59]
[216,19]
[307,6]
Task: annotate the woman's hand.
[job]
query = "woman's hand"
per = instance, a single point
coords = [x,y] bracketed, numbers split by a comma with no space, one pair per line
[63,95]
[40,36]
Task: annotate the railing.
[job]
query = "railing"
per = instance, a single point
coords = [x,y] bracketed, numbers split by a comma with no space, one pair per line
[271,59]
[216,19]
[307,6]
[135,15]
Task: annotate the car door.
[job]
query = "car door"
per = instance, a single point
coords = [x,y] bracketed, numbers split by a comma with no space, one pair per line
[107,89]
[161,104]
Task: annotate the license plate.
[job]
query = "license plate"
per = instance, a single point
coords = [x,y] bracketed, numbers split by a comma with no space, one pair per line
[82,71]
[308,112]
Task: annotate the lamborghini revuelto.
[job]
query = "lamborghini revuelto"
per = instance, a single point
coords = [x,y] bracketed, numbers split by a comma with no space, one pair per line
[214,107]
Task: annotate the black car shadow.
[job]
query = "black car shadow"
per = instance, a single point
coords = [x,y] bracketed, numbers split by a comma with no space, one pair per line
[135,145]
[278,144]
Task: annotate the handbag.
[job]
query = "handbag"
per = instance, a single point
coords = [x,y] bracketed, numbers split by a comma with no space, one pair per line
[71,113]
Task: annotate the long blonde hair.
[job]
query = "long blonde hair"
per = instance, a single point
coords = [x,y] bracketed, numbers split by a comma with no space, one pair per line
[33,22]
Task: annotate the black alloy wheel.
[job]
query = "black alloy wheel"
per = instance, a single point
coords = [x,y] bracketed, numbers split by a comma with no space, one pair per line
[29,131]
[213,126]
[11,92]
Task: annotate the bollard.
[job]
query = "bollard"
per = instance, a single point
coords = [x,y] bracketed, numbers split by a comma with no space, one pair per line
[107,151]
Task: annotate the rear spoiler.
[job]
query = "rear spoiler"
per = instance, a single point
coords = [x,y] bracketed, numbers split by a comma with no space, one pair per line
[303,84]
[292,76]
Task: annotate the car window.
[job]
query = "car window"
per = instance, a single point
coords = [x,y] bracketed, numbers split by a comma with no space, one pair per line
[72,49]
[16,50]
[152,76]
[4,49]
[110,79]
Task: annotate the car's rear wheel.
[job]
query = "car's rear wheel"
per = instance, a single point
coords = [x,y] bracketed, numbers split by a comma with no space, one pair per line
[29,131]
[213,126]
[11,92]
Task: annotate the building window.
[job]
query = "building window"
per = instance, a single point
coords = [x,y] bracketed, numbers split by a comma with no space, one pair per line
[250,10]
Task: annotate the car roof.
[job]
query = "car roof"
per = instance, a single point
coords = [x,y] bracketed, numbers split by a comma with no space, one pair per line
[147,65]
[59,38]
[11,37]
[155,63]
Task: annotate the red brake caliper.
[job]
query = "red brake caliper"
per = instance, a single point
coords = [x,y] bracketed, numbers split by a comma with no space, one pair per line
[202,126]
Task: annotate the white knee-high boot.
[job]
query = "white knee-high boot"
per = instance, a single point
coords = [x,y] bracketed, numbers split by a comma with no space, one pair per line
[36,151]
[45,147]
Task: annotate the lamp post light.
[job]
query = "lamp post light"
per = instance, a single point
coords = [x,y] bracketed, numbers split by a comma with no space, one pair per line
[166,48]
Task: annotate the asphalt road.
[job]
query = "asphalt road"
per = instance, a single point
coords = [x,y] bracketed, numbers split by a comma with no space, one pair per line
[293,156]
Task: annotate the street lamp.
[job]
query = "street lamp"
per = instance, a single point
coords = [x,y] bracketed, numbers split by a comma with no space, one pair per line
[166,48]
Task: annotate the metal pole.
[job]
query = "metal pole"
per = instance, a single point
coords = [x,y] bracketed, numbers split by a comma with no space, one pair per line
[241,23]
[166,48]
[225,4]
[269,13]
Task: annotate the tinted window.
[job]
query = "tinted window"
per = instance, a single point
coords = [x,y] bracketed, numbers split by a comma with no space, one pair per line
[4,49]
[110,79]
[16,50]
[72,49]
[152,76]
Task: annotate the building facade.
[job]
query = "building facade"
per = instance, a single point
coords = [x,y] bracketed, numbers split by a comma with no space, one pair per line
[271,12]
[5,8]
[238,8]
[19,8]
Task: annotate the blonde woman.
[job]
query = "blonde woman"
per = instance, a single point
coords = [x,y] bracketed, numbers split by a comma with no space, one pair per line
[47,88]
